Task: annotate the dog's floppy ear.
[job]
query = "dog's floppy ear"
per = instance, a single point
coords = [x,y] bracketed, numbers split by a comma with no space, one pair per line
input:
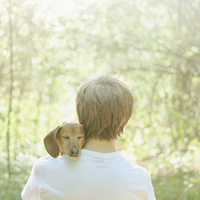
[50,142]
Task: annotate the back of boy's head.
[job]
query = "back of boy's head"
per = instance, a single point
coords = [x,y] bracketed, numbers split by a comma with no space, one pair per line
[104,105]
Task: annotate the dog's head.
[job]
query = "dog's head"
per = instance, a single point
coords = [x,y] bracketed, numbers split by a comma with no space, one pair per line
[68,139]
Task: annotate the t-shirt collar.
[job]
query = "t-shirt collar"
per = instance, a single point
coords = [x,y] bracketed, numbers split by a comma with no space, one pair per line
[95,154]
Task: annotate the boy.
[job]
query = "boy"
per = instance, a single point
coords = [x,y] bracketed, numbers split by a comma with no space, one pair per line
[104,106]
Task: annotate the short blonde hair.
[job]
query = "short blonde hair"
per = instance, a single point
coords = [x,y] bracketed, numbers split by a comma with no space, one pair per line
[104,105]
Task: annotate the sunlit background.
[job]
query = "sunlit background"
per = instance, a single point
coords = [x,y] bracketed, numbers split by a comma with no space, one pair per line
[48,48]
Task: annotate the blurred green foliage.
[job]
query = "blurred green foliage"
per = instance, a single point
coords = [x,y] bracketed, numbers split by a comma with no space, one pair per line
[153,45]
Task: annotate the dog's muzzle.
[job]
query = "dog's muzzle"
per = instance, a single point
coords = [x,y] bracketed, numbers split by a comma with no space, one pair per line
[74,151]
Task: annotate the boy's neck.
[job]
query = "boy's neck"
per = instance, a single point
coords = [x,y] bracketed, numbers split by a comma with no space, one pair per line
[101,146]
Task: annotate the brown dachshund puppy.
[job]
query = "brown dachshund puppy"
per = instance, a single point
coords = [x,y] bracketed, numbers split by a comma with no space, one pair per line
[66,139]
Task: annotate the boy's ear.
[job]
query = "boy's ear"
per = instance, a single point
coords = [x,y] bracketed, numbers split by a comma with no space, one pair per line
[80,120]
[83,132]
[50,142]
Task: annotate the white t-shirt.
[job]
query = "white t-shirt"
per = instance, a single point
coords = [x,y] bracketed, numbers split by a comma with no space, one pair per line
[92,176]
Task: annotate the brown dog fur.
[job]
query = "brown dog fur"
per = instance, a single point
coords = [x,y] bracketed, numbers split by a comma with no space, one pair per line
[66,139]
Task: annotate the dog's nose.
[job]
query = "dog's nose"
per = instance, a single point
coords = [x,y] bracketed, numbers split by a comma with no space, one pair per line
[74,151]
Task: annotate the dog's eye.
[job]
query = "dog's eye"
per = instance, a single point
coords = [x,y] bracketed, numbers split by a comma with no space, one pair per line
[66,137]
[80,137]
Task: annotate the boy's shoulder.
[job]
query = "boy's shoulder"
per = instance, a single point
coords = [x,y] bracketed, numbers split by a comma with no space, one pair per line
[133,165]
[42,160]
[141,170]
[43,165]
[40,165]
[136,169]
[45,162]
[138,174]
[47,159]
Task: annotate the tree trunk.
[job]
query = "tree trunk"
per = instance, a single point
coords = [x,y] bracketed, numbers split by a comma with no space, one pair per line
[10,92]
